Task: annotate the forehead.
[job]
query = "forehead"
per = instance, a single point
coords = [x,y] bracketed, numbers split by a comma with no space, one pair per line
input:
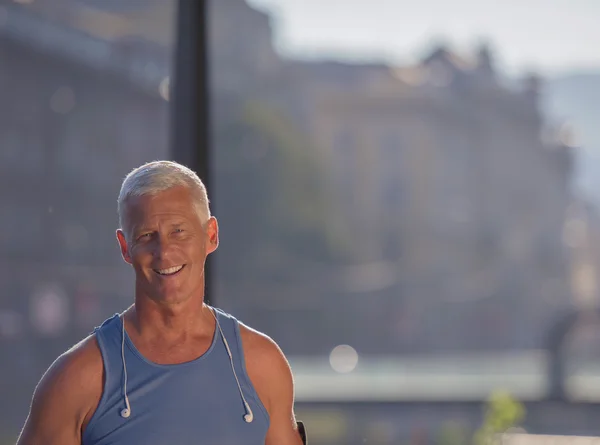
[175,202]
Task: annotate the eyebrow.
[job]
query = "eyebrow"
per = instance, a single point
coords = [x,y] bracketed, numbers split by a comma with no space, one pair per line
[142,229]
[148,229]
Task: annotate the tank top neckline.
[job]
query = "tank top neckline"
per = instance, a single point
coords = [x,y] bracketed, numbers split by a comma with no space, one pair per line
[131,346]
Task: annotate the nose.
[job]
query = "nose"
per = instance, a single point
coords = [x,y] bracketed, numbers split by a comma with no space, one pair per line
[162,247]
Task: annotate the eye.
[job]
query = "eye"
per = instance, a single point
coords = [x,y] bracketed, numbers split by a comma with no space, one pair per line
[144,236]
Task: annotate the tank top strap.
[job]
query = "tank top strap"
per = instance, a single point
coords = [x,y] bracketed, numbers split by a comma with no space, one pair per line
[231,329]
[227,323]
[109,338]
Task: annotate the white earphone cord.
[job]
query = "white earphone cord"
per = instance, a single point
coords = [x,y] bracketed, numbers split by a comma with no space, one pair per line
[249,415]
[126,412]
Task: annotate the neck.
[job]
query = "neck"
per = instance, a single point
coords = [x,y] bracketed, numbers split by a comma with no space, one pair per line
[150,318]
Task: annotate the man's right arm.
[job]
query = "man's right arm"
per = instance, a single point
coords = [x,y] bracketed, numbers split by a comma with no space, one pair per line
[65,397]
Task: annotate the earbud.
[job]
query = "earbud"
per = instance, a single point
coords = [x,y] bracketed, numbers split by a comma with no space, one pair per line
[125,413]
[249,416]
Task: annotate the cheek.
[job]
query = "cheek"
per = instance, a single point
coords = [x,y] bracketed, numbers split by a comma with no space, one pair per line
[197,254]
[141,254]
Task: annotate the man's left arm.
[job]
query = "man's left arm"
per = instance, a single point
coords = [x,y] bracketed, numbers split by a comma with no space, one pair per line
[283,429]
[272,377]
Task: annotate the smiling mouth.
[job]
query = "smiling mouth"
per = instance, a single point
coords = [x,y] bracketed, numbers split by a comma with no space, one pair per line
[170,271]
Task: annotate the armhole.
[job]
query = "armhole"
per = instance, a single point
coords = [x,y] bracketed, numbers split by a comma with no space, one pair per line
[245,376]
[99,337]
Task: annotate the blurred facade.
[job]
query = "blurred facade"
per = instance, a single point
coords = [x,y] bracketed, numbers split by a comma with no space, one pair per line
[78,113]
[83,113]
[449,207]
[450,202]
[446,168]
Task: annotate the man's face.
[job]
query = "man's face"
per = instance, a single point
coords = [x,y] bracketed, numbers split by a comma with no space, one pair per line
[167,245]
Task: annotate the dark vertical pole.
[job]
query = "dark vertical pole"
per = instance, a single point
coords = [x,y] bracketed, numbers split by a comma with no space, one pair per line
[189,105]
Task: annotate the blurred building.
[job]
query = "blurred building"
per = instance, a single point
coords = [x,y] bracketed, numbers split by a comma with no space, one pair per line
[442,172]
[454,204]
[83,111]
[78,112]
[242,56]
[582,236]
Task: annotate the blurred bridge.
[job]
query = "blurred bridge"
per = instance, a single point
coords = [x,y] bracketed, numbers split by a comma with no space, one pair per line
[387,399]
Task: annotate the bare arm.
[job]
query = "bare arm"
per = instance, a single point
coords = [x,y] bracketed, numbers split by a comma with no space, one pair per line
[65,398]
[283,429]
[272,377]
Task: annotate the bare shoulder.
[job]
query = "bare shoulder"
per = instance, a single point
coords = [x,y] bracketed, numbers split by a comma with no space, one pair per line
[267,366]
[66,396]
[77,372]
[261,348]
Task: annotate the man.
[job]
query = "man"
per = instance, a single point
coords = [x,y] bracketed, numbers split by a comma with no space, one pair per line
[170,369]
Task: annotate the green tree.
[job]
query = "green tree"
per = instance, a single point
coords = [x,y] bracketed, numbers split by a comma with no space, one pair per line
[502,412]
[270,187]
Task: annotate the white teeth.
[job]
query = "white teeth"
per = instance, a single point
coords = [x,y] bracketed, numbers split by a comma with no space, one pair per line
[169,271]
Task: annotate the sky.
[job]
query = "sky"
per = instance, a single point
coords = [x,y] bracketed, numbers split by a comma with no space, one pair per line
[549,36]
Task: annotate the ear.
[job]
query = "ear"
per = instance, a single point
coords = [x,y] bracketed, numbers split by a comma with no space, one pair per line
[212,234]
[123,245]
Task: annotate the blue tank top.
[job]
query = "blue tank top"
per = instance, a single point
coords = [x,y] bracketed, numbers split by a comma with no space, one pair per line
[194,403]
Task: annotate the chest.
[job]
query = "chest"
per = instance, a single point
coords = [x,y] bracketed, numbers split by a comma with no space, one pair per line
[194,407]
[183,427]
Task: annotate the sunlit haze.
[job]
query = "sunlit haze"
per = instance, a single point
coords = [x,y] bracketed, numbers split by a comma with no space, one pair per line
[526,34]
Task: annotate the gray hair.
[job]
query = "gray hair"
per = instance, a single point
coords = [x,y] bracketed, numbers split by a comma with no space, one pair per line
[159,176]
